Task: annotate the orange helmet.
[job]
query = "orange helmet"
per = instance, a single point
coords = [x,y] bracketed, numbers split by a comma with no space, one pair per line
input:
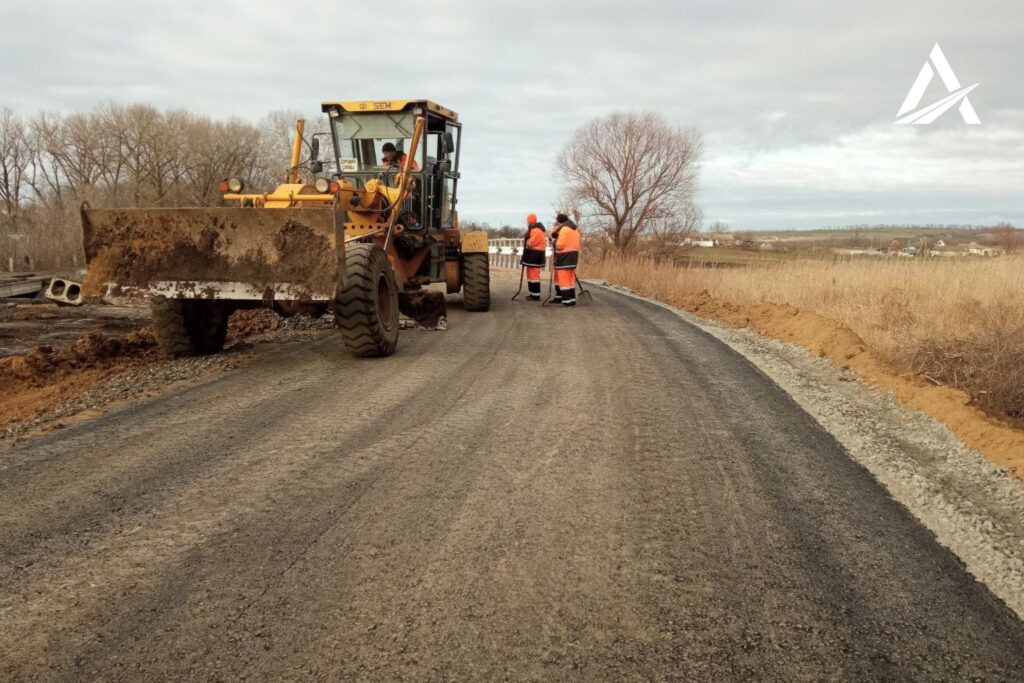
[531,219]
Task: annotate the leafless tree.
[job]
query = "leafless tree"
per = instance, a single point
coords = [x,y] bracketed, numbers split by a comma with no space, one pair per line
[126,155]
[15,159]
[1008,237]
[633,175]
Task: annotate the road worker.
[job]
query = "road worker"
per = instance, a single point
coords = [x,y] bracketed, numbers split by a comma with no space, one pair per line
[534,245]
[566,237]
[393,157]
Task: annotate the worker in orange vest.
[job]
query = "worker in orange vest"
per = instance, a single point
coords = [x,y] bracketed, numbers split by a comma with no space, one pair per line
[392,156]
[534,245]
[566,237]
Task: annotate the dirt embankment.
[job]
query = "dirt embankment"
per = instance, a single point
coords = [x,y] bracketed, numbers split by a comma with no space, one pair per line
[51,382]
[1000,441]
[33,382]
[248,323]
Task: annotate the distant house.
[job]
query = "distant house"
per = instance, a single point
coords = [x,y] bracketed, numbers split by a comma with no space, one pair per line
[940,243]
[704,243]
[985,251]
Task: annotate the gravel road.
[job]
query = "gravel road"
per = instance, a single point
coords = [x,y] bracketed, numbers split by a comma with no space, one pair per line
[600,493]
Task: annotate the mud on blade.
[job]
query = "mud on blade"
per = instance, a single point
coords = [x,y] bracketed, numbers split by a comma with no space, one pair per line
[296,253]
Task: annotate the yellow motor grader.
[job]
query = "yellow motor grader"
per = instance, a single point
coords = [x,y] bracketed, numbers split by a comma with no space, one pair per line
[363,238]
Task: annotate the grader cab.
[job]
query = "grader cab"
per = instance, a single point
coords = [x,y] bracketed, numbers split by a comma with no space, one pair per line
[365,238]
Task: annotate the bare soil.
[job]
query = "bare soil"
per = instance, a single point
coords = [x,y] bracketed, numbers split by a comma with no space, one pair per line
[24,326]
[33,382]
[57,363]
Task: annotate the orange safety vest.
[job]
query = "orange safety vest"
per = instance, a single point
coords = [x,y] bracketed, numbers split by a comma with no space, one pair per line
[399,161]
[567,246]
[533,250]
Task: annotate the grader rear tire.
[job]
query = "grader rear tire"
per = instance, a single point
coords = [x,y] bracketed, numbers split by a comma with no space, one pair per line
[476,282]
[189,327]
[366,303]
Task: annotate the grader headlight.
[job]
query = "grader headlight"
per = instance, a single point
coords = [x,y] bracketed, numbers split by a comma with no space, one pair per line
[235,185]
[322,185]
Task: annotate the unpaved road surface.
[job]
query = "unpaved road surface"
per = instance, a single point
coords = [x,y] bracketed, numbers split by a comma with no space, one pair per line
[599,493]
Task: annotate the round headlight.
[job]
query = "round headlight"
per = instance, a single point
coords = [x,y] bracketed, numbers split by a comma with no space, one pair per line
[236,185]
[322,185]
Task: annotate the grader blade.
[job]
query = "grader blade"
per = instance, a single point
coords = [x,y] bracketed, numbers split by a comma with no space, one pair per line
[423,309]
[214,253]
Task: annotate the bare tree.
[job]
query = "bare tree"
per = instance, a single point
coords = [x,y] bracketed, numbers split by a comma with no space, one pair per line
[633,174]
[126,155]
[15,159]
[46,178]
[1008,237]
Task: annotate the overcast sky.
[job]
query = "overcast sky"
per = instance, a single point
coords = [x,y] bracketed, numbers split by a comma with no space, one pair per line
[796,100]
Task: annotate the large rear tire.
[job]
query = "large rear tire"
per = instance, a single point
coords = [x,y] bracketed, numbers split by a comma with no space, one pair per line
[189,327]
[366,303]
[476,282]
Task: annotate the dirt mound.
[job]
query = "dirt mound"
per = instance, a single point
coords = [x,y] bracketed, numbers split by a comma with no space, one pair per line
[46,377]
[254,321]
[32,382]
[249,322]
[92,350]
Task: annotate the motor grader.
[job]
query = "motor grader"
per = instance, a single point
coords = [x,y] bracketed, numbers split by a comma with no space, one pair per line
[364,238]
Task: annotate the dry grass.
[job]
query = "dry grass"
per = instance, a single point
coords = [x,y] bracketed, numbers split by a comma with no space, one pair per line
[960,323]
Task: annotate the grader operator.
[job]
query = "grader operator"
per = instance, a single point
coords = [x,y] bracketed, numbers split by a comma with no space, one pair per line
[363,240]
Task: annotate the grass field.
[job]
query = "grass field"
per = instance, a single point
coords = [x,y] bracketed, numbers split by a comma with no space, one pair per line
[711,256]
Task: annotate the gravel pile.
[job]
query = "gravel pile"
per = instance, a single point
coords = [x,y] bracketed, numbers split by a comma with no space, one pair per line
[973,507]
[306,323]
[291,329]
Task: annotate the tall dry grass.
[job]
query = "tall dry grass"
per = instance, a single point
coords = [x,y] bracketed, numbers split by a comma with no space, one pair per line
[960,322]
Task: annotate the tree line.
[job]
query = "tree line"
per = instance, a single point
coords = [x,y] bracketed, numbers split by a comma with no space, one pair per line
[121,156]
[630,178]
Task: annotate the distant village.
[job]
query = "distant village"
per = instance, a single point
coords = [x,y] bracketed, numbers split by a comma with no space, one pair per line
[897,246]
[996,241]
[723,244]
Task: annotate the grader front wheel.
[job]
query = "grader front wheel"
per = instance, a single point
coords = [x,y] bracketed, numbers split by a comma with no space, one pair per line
[366,303]
[476,282]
